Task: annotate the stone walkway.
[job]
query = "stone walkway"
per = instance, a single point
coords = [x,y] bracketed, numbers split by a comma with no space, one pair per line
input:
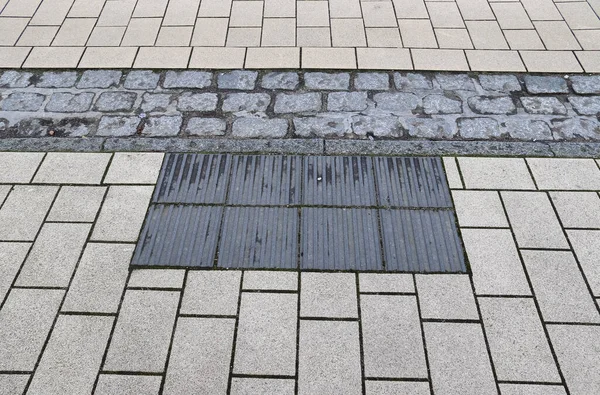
[75,319]
[483,35]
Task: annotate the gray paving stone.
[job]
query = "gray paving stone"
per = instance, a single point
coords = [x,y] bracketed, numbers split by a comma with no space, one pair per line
[237,79]
[24,211]
[13,384]
[532,389]
[399,102]
[323,125]
[156,278]
[12,256]
[533,220]
[211,292]
[495,263]
[526,129]
[68,102]
[446,296]
[200,364]
[452,173]
[141,79]
[518,344]
[327,81]
[202,102]
[200,126]
[328,295]
[280,80]
[187,79]
[60,79]
[122,213]
[162,126]
[54,255]
[266,336]
[396,387]
[559,287]
[388,282]
[25,321]
[115,101]
[249,386]
[586,245]
[118,126]
[495,173]
[479,209]
[502,105]
[72,168]
[567,174]
[576,128]
[545,84]
[585,105]
[380,126]
[156,102]
[251,127]
[297,102]
[500,83]
[23,101]
[73,355]
[18,167]
[453,82]
[143,332]
[578,351]
[440,104]
[347,101]
[386,354]
[478,128]
[458,359]
[100,278]
[372,81]
[586,84]
[99,79]
[110,384]
[329,358]
[270,280]
[15,79]
[134,168]
[577,209]
[252,102]
[431,128]
[543,105]
[411,81]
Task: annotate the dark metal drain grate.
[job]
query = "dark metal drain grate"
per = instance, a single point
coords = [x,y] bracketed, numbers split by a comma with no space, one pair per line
[293,212]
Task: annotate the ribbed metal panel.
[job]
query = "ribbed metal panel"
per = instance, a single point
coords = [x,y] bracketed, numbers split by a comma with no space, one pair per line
[338,181]
[265,180]
[259,237]
[193,178]
[340,239]
[412,182]
[176,235]
[421,241]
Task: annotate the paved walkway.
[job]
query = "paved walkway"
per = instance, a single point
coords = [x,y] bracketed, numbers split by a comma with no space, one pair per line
[482,35]
[75,319]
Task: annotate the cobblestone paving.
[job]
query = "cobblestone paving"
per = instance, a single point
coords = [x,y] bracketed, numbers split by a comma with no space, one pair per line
[74,319]
[482,35]
[251,104]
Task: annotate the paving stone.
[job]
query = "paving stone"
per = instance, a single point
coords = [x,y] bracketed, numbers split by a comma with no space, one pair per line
[270,280]
[495,262]
[412,81]
[545,84]
[143,332]
[327,81]
[453,82]
[385,353]
[100,278]
[458,359]
[202,102]
[543,105]
[61,79]
[247,386]
[237,79]
[122,214]
[187,79]
[297,102]
[23,101]
[495,173]
[328,295]
[586,245]
[478,128]
[117,126]
[19,167]
[12,256]
[15,79]
[72,168]
[266,336]
[54,255]
[25,321]
[246,102]
[73,355]
[13,383]
[67,102]
[532,389]
[200,126]
[347,101]
[525,129]
[24,211]
[502,105]
[110,384]
[280,80]
[162,126]
[211,293]
[200,364]
[156,278]
[329,358]
[446,296]
[156,102]
[452,173]
[115,101]
[568,174]
[323,125]
[439,104]
[397,387]
[379,126]
[577,209]
[578,351]
[500,83]
[379,282]
[479,209]
[576,128]
[134,168]
[397,102]
[142,79]
[101,79]
[250,127]
[431,128]
[372,81]
[584,84]
[585,105]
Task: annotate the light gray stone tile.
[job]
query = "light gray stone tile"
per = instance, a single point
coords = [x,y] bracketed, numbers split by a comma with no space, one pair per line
[13,384]
[54,255]
[452,173]
[577,209]
[25,321]
[134,168]
[111,384]
[329,358]
[577,348]
[24,211]
[532,389]
[72,168]
[458,359]
[586,245]
[12,256]
[211,292]
[270,280]
[18,167]
[77,204]
[562,173]
[251,386]
[266,337]
[479,209]
[495,173]
[446,296]
[100,278]
[328,295]
[559,287]
[386,354]
[143,332]
[397,387]
[495,262]
[384,282]
[73,355]
[156,278]
[533,220]
[200,357]
[122,213]
[517,341]
[4,191]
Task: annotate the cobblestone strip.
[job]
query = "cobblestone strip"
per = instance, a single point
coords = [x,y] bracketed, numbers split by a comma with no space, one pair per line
[252,104]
